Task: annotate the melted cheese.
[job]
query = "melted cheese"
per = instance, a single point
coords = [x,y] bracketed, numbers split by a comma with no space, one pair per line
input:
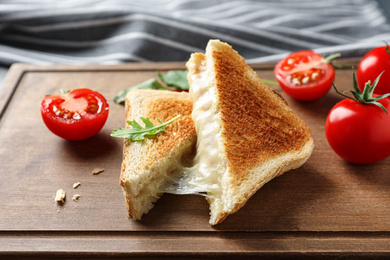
[204,177]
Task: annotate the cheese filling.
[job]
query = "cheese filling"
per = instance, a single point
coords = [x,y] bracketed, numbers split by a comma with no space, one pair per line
[204,177]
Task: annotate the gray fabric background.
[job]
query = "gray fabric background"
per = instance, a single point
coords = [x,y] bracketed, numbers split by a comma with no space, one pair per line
[115,31]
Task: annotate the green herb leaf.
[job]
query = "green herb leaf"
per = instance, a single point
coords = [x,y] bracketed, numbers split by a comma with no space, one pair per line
[270,82]
[63,92]
[138,132]
[175,78]
[148,84]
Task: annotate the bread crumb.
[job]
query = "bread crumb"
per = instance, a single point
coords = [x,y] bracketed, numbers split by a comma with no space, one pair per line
[75,185]
[76,197]
[60,196]
[97,171]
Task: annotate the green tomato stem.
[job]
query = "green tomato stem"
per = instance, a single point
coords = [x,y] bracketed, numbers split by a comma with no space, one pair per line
[387,48]
[332,57]
[365,97]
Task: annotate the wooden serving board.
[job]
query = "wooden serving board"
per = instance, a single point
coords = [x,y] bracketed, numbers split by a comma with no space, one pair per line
[328,207]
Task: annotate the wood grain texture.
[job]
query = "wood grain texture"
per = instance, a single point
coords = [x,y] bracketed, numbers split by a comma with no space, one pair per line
[326,208]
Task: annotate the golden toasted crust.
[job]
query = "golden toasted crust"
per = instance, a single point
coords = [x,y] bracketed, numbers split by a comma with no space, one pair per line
[174,134]
[262,125]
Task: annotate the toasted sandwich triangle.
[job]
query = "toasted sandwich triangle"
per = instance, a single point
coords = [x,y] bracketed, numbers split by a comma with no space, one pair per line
[260,137]
[148,165]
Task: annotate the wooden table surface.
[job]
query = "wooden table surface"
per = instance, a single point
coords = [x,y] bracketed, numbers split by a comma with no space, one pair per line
[326,208]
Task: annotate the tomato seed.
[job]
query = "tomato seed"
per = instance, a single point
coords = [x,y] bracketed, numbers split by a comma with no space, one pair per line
[92,109]
[76,116]
[305,77]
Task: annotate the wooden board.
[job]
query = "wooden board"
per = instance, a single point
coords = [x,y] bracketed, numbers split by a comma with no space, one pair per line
[326,208]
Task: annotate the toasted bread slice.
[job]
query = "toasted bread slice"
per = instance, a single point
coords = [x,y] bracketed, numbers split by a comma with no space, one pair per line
[247,134]
[148,165]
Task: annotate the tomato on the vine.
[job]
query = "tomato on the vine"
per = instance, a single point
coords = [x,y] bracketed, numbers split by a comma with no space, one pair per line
[75,115]
[371,65]
[358,127]
[305,75]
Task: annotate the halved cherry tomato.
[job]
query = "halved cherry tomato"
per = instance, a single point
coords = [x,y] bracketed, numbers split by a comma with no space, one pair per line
[76,115]
[371,65]
[305,75]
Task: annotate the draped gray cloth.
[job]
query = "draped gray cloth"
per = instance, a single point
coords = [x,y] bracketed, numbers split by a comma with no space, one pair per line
[115,31]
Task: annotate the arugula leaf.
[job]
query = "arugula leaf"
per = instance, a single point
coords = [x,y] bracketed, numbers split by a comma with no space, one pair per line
[175,78]
[137,132]
[148,84]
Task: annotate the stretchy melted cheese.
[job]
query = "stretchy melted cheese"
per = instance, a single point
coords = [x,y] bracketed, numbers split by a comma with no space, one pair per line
[210,163]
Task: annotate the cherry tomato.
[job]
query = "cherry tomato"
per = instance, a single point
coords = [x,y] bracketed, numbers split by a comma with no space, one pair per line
[371,65]
[76,115]
[359,133]
[305,75]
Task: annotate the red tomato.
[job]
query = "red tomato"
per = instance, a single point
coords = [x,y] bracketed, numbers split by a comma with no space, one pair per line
[76,115]
[304,75]
[359,133]
[371,65]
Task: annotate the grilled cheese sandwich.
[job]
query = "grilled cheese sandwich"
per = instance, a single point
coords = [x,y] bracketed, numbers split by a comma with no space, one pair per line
[245,135]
